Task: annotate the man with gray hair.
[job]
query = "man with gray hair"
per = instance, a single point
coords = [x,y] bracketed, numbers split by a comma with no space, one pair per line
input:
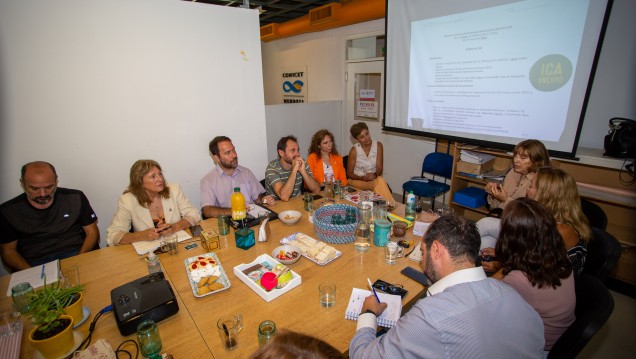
[465,314]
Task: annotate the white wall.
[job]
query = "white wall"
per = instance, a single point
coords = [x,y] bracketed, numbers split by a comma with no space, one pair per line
[323,53]
[92,86]
[301,120]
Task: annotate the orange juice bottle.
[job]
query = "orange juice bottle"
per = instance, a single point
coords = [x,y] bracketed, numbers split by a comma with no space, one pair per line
[238,205]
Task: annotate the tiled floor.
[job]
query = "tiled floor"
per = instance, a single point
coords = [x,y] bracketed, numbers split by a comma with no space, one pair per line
[617,338]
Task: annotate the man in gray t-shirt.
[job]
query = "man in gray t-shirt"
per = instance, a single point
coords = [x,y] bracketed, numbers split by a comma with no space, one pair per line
[284,177]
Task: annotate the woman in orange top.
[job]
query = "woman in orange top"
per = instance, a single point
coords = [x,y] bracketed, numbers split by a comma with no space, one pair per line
[323,158]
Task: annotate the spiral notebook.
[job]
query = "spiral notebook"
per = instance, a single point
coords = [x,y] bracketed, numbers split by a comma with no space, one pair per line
[387,319]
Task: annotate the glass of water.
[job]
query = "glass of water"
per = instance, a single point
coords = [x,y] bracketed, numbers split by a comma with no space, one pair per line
[327,293]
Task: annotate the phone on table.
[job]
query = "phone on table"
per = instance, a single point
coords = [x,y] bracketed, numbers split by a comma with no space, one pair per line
[416,275]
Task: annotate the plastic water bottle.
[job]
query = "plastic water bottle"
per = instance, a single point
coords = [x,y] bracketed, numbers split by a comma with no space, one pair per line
[409,212]
[153,263]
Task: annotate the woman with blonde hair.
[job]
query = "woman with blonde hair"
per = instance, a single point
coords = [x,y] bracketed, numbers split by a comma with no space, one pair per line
[366,162]
[324,159]
[556,190]
[150,206]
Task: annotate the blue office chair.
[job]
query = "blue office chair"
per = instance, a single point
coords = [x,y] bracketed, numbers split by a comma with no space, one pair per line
[438,165]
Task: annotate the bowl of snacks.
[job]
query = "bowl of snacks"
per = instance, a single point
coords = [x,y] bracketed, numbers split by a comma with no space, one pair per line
[289,217]
[287,254]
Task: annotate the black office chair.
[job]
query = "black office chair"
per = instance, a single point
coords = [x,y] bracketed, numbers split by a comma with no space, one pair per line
[594,305]
[594,213]
[438,165]
[603,253]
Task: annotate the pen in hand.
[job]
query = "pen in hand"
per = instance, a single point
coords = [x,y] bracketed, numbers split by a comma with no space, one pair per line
[373,289]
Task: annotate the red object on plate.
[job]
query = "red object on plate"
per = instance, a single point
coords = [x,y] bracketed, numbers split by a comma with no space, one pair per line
[269,280]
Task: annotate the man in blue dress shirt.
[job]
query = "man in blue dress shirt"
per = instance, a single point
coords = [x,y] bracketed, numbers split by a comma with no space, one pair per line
[465,314]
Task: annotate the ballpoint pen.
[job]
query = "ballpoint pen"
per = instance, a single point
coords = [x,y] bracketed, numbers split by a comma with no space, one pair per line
[373,289]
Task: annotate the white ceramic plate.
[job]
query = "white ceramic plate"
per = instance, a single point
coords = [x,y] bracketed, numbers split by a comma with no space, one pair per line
[293,237]
[223,279]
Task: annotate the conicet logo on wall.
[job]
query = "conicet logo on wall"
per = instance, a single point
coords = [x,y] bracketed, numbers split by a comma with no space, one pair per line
[295,87]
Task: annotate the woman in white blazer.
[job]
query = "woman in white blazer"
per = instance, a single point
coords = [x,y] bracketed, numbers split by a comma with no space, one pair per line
[150,206]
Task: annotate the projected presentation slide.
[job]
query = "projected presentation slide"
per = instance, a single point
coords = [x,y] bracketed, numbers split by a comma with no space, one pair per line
[494,71]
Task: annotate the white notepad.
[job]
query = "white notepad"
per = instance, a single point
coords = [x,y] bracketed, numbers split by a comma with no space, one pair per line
[143,247]
[387,319]
[34,275]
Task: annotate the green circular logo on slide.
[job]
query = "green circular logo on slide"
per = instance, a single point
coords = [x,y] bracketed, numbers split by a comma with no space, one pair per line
[550,73]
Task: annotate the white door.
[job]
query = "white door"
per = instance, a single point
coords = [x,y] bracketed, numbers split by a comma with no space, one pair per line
[364,99]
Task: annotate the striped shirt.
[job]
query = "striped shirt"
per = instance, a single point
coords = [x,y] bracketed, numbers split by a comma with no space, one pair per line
[275,173]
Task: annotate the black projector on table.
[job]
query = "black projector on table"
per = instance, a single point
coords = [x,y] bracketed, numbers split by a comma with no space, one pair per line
[149,297]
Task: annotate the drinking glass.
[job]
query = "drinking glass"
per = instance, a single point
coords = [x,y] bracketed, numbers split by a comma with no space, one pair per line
[266,332]
[70,276]
[309,202]
[391,252]
[149,339]
[223,224]
[10,323]
[21,294]
[228,327]
[173,243]
[327,292]
[444,210]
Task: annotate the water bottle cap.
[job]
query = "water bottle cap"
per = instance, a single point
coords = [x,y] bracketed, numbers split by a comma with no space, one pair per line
[151,255]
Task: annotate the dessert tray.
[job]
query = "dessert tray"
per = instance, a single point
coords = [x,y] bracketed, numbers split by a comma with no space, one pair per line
[206,275]
[250,274]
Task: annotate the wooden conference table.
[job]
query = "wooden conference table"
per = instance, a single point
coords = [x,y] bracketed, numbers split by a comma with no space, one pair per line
[192,331]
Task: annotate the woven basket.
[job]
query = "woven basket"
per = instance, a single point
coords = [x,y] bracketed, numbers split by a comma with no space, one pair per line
[334,233]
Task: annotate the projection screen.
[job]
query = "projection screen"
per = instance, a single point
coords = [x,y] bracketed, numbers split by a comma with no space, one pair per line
[492,72]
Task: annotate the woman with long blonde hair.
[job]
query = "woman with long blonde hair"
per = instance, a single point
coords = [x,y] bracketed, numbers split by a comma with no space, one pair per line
[556,190]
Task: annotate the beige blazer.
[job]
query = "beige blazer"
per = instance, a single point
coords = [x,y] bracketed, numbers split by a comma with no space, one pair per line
[131,214]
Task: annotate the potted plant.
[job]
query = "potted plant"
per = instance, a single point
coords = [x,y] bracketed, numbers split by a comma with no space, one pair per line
[50,311]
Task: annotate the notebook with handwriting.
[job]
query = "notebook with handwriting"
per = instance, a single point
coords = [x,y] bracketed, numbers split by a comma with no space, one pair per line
[387,319]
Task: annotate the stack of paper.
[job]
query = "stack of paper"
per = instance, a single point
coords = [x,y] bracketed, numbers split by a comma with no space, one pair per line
[475,157]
